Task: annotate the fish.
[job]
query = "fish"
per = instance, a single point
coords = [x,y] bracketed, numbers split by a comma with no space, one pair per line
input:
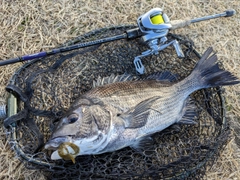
[121,111]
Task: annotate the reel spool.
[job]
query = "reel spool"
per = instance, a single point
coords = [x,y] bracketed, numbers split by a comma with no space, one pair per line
[157,18]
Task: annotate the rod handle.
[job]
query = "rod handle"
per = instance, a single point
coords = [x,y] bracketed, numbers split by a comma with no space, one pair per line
[10,61]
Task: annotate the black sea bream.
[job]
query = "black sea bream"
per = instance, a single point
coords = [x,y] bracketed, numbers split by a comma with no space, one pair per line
[122,112]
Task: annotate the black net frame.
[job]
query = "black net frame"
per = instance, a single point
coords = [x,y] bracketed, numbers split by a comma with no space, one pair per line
[46,87]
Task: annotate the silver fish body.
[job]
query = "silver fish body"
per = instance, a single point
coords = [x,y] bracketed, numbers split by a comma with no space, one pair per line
[124,113]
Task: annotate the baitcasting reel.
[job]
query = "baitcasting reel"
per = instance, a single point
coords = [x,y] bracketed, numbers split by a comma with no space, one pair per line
[154,26]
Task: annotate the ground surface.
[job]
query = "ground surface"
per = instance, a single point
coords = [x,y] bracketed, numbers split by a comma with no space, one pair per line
[31,26]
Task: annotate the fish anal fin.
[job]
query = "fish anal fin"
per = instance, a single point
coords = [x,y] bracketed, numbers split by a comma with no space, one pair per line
[137,117]
[143,144]
[189,113]
[173,129]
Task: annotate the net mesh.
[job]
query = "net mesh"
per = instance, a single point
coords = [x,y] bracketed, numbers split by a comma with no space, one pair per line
[46,87]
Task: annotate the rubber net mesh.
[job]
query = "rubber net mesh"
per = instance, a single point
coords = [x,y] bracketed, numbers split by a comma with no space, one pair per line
[46,87]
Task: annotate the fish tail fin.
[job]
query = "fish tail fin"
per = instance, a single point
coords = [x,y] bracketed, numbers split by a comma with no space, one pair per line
[208,73]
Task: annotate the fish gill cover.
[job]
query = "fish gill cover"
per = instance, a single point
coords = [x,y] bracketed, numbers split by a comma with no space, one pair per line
[47,87]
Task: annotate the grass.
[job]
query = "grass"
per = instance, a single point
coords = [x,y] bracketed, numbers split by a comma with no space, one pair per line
[31,26]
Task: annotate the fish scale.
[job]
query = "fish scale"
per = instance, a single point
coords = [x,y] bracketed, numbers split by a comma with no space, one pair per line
[168,112]
[131,93]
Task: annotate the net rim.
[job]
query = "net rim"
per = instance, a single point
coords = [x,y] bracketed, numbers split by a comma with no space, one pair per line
[28,158]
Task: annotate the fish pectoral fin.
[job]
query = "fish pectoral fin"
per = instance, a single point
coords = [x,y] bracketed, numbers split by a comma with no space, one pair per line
[189,113]
[133,120]
[137,117]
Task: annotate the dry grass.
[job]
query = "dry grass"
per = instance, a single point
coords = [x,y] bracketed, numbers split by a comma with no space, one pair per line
[29,26]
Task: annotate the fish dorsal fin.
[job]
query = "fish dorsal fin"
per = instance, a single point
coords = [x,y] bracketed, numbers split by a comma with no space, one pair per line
[137,117]
[189,113]
[165,76]
[112,79]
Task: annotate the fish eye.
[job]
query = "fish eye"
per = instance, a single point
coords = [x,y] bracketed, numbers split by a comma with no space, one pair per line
[72,118]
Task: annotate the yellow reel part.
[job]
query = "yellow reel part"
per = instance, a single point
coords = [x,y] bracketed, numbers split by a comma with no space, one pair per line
[157,19]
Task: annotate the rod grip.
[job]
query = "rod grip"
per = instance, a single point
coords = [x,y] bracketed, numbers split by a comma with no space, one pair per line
[10,61]
[176,24]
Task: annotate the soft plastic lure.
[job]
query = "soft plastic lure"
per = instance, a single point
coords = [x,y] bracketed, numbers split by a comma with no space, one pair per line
[68,151]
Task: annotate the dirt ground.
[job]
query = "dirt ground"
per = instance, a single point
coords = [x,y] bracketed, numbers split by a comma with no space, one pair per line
[29,26]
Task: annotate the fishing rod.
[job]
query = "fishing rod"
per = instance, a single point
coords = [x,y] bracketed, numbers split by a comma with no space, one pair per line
[153,28]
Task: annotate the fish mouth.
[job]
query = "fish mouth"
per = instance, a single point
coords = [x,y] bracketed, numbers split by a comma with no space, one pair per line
[54,143]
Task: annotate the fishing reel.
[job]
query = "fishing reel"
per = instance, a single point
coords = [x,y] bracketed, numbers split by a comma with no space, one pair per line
[154,27]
